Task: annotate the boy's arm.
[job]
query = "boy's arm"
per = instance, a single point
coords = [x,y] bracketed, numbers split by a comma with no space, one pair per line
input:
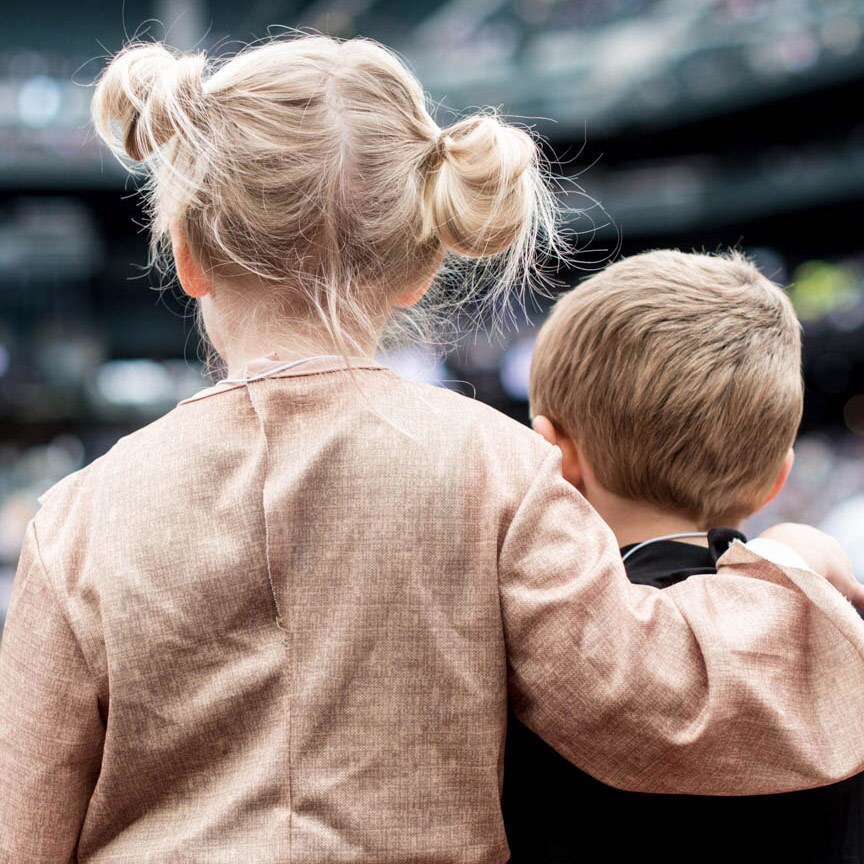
[51,731]
[748,681]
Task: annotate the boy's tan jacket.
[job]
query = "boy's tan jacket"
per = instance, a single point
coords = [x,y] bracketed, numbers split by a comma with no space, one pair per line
[279,625]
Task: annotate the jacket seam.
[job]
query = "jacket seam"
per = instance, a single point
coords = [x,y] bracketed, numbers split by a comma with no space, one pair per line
[501,616]
[534,480]
[37,554]
[284,640]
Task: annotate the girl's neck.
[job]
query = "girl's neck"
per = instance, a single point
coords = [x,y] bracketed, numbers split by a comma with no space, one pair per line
[238,361]
[283,345]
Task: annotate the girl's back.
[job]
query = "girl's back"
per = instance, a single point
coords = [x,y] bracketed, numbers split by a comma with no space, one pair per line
[288,591]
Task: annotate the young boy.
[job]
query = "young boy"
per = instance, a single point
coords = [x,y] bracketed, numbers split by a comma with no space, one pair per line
[671,382]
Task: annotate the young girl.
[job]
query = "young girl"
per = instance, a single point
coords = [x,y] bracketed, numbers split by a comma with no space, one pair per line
[279,623]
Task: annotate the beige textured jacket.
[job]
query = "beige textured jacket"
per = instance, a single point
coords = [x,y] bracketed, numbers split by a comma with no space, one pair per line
[279,624]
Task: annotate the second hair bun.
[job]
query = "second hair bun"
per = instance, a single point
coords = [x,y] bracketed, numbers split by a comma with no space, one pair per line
[481,196]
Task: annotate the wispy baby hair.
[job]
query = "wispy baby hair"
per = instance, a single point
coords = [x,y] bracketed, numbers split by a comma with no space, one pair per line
[310,171]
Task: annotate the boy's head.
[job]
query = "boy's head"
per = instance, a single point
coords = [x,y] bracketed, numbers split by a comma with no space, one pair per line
[676,378]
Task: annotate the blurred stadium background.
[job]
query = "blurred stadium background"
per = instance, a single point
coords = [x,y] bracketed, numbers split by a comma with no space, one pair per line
[691,123]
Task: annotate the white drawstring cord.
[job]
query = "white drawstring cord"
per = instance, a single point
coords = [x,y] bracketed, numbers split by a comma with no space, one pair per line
[281,368]
[664,537]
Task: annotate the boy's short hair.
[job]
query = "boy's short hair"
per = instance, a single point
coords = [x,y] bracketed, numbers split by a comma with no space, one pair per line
[679,375]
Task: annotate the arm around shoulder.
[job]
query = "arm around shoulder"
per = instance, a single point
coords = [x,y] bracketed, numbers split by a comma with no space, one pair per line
[744,682]
[51,730]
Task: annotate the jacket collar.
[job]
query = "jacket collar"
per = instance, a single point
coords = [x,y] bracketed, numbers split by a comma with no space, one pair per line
[259,368]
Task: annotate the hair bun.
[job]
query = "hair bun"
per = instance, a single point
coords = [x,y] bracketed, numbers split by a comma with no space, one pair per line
[482,196]
[146,96]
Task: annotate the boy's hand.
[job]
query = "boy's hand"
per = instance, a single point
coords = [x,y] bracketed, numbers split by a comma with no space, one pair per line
[823,555]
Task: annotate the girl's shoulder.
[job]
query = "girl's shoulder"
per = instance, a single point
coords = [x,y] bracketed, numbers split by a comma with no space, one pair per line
[456,418]
[154,459]
[396,427]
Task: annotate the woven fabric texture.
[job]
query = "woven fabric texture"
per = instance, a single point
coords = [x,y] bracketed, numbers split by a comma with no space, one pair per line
[280,623]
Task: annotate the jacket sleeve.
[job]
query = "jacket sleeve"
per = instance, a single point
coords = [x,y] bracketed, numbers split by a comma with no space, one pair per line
[51,730]
[748,681]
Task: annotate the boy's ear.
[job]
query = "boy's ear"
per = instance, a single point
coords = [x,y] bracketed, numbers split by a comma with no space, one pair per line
[781,477]
[192,278]
[544,427]
[571,461]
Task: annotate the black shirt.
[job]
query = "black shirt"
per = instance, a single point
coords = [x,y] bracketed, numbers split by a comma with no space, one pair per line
[554,812]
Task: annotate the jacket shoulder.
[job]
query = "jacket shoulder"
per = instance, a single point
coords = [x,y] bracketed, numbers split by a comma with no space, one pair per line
[141,448]
[467,415]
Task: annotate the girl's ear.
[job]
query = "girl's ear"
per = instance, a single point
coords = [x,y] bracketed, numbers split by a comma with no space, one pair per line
[781,477]
[571,461]
[192,278]
[413,295]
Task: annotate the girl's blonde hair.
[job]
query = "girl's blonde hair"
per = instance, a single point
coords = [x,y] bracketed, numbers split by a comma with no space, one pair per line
[314,166]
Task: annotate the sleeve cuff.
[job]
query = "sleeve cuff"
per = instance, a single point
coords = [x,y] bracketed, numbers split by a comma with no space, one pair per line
[777,553]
